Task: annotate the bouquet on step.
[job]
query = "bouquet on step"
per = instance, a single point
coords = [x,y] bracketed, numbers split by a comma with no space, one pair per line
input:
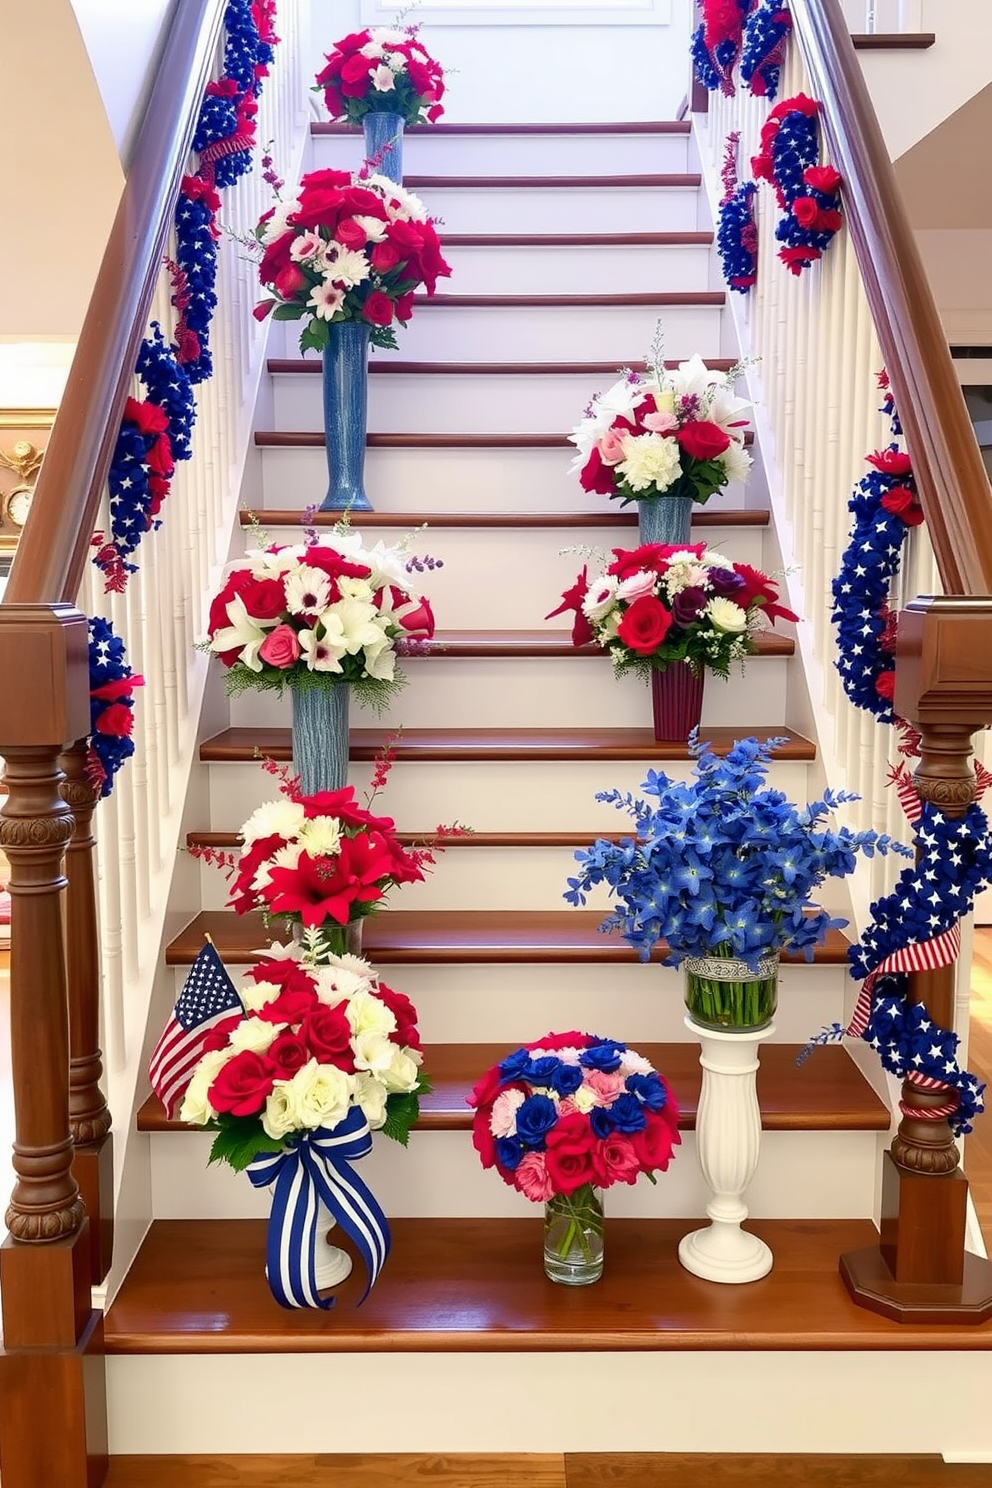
[347,248]
[661,604]
[318,614]
[667,433]
[379,70]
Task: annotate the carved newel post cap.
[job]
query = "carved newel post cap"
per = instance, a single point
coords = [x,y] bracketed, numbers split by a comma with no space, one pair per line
[44,662]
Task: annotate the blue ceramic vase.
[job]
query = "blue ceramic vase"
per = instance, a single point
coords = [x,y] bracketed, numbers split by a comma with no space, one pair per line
[320,737]
[346,373]
[665,519]
[384,134]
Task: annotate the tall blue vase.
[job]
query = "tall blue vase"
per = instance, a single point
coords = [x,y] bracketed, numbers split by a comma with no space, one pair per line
[384,133]
[346,383]
[320,737]
[665,519]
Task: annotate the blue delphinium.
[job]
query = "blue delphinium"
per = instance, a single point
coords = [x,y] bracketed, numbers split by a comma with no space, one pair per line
[723,866]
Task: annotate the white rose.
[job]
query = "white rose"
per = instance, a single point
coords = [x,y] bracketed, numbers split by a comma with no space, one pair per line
[367,1014]
[373,1051]
[255,995]
[254,1034]
[373,227]
[355,588]
[370,1094]
[585,1098]
[727,616]
[196,1109]
[281,1116]
[322,1094]
[403,1074]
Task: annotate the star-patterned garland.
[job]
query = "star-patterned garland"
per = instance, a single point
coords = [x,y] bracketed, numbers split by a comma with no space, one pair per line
[112,685]
[806,192]
[766,34]
[737,230]
[716,44]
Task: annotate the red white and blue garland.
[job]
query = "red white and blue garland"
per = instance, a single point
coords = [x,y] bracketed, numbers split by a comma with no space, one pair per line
[737,229]
[112,685]
[763,46]
[716,44]
[807,192]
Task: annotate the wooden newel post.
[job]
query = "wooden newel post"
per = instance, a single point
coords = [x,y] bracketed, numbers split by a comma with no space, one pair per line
[89,1118]
[48,1369]
[920,1271]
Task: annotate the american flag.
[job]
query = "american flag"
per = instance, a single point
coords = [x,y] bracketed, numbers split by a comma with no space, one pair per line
[208,995]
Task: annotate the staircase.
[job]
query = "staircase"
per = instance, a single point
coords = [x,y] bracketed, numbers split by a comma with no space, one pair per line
[507,728]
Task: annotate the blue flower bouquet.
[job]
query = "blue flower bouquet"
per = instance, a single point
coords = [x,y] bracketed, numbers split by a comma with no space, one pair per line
[722,869]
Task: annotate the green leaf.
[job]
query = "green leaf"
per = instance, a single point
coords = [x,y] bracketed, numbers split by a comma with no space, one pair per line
[314,337]
[401,1112]
[289,312]
[239,1139]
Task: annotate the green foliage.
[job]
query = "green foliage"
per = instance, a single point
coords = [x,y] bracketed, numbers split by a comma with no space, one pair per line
[238,1141]
[403,1110]
[289,311]
[314,336]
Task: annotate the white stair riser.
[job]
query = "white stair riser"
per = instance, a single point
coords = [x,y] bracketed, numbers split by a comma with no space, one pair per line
[647,1400]
[545,692]
[490,796]
[518,1002]
[545,333]
[439,480]
[561,209]
[435,403]
[515,154]
[801,1175]
[509,579]
[586,269]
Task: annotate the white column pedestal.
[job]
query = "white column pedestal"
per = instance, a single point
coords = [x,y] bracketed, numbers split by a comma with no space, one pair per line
[728,1138]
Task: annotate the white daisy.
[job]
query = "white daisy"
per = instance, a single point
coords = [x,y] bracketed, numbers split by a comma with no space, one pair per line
[345,267]
[322,653]
[600,597]
[308,590]
[325,300]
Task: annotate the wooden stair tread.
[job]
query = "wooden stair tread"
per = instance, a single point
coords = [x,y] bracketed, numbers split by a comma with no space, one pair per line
[477,1285]
[646,126]
[246,744]
[610,516]
[451,937]
[893,41]
[827,1093]
[314,439]
[313,366]
[686,180]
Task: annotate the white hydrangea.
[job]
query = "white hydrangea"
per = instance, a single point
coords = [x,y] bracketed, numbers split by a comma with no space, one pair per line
[650,462]
[727,616]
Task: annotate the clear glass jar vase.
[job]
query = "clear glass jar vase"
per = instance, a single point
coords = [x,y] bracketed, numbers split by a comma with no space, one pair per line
[573,1236]
[726,995]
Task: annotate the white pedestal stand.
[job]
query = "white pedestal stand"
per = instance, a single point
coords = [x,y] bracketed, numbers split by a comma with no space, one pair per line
[728,1137]
[332,1263]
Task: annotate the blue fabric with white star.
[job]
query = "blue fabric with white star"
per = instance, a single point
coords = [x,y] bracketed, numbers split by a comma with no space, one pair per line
[108,663]
[196,255]
[738,264]
[765,32]
[244,54]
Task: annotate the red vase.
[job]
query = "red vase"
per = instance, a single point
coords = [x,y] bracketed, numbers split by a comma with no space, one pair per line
[677,702]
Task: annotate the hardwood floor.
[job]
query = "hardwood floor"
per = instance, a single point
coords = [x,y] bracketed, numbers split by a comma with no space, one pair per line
[631,1470]
[978,1147]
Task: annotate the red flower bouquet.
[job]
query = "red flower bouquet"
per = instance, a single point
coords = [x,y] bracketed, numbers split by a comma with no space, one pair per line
[347,248]
[382,71]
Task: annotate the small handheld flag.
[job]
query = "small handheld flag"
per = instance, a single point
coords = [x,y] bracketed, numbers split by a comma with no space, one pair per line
[208,996]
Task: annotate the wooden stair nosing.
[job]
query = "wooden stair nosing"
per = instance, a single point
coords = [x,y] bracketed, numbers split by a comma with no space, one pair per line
[647,126]
[893,41]
[237,745]
[611,516]
[828,1093]
[477,1285]
[650,180]
[313,366]
[453,938]
[649,298]
[314,439]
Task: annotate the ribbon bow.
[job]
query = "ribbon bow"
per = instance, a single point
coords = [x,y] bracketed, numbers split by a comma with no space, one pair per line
[316,1170]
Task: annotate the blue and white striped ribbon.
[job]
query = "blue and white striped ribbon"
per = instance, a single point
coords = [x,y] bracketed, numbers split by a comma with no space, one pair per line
[315,1171]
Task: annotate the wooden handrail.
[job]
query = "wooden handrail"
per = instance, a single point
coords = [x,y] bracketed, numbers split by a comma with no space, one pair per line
[52,553]
[947,464]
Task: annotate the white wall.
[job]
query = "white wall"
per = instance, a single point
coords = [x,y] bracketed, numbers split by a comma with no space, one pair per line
[123,39]
[958,262]
[540,74]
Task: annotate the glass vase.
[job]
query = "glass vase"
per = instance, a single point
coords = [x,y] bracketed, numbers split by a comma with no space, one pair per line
[676,701]
[320,736]
[384,139]
[573,1236]
[664,519]
[339,940]
[726,995]
[346,382]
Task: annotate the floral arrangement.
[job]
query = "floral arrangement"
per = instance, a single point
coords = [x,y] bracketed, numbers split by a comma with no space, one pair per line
[672,433]
[317,614]
[661,604]
[570,1112]
[347,248]
[384,71]
[722,866]
[737,230]
[766,33]
[716,44]
[806,191]
[317,1035]
[112,685]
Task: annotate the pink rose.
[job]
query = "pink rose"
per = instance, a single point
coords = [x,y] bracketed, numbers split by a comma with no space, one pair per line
[281,647]
[661,423]
[616,1161]
[637,585]
[531,1177]
[566,1107]
[607,1087]
[611,447]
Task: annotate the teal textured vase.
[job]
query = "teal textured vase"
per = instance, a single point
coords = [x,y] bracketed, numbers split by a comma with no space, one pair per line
[665,519]
[320,737]
[384,137]
[346,383]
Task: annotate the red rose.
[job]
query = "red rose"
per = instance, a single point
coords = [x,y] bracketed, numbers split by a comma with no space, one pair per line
[288,1053]
[219,1035]
[904,503]
[616,1161]
[595,476]
[420,619]
[885,685]
[328,1036]
[264,599]
[823,178]
[654,1142]
[355,76]
[570,1144]
[702,439]
[645,625]
[805,210]
[289,281]
[378,308]
[243,1085]
[117,720]
[420,78]
[483,1140]
[828,221]
[405,1014]
[291,1006]
[351,234]
[276,258]
[281,647]
[385,256]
